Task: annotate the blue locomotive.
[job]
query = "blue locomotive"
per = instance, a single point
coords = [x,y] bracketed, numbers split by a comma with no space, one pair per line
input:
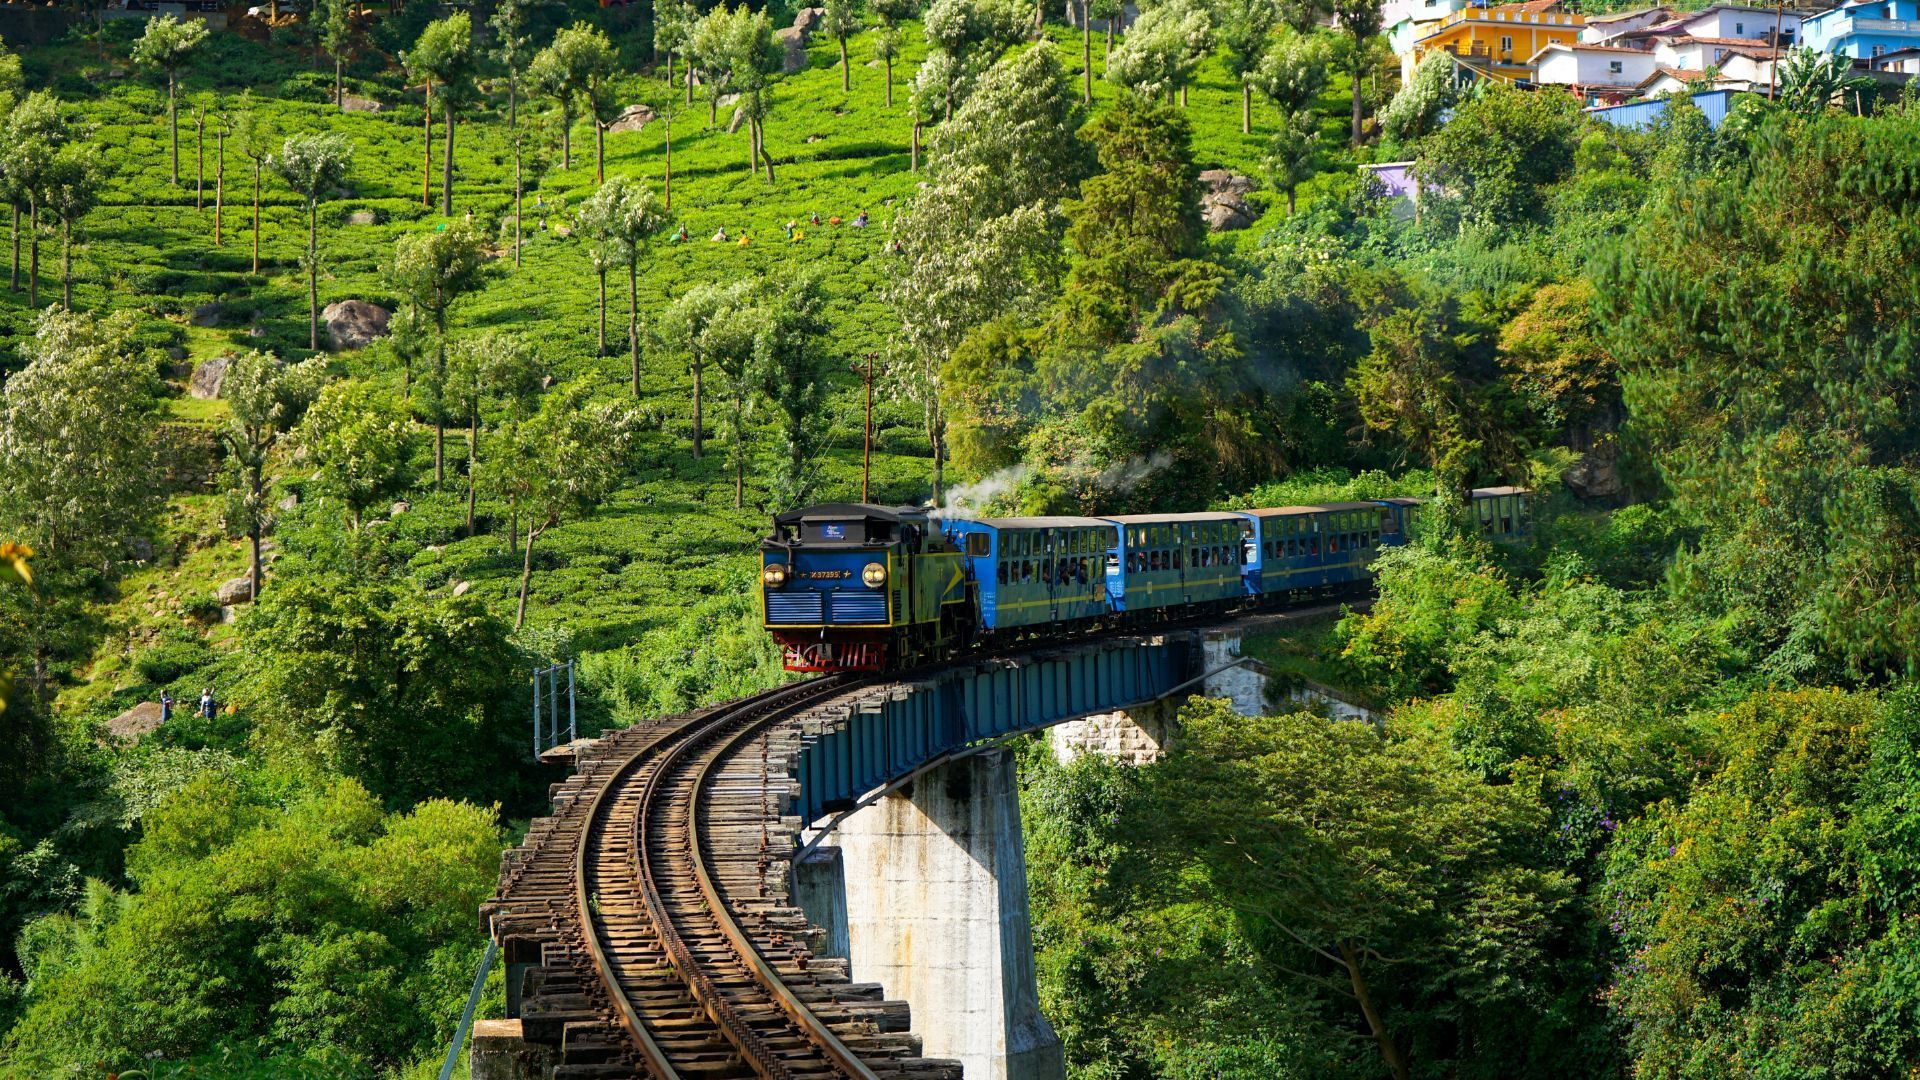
[854,587]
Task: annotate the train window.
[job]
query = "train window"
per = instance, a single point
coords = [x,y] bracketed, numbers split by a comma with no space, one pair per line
[1001,573]
[1313,545]
[1177,564]
[1113,562]
[977,544]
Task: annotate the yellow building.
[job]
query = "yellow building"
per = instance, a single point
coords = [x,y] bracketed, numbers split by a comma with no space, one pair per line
[1503,39]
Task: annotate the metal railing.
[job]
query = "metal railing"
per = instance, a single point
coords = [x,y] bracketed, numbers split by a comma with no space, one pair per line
[549,677]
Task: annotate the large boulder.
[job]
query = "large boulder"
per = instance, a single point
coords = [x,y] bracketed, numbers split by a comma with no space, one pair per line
[234,591]
[208,377]
[807,20]
[136,723]
[1596,476]
[206,315]
[632,118]
[352,324]
[352,103]
[794,41]
[1223,200]
[363,217]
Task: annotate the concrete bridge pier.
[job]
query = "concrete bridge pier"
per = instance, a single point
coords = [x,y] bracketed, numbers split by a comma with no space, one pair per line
[932,903]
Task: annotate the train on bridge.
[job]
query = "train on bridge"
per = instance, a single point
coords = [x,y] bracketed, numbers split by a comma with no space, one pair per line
[856,587]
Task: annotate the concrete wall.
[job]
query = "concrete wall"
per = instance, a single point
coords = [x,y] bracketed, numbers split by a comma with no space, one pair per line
[935,907]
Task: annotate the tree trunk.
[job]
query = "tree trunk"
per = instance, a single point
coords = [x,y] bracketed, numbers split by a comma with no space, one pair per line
[253,569]
[66,265]
[473,457]
[913,155]
[889,82]
[173,126]
[219,182]
[426,150]
[699,367]
[1106,57]
[1086,48]
[689,82]
[33,257]
[846,72]
[761,141]
[603,315]
[513,100]
[1289,201]
[14,284]
[1246,109]
[256,215]
[313,273]
[339,95]
[669,67]
[439,412]
[200,159]
[518,190]
[1356,96]
[1388,1051]
[599,151]
[566,139]
[1183,95]
[667,126]
[526,576]
[633,319]
[446,165]
[739,467]
[936,430]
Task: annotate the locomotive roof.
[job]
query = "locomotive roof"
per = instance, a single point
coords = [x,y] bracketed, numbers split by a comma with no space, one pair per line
[1042,522]
[1492,492]
[842,511]
[1317,508]
[1164,519]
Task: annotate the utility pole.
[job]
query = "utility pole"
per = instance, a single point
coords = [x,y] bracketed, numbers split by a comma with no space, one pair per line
[1773,69]
[866,452]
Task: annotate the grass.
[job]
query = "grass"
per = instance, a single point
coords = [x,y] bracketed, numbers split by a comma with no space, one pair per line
[670,535]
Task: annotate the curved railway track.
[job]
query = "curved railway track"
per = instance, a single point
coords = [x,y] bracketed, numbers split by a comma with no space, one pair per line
[668,946]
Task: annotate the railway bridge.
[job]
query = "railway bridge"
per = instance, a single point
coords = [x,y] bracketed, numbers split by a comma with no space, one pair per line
[709,886]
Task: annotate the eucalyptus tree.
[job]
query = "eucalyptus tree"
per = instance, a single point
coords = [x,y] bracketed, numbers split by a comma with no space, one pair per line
[708,46]
[575,67]
[1162,50]
[560,465]
[736,45]
[1245,30]
[672,27]
[981,239]
[1109,12]
[1360,20]
[443,57]
[620,216]
[267,398]
[966,36]
[683,327]
[509,25]
[253,134]
[886,41]
[434,270]
[488,367]
[334,26]
[31,145]
[729,342]
[358,439]
[791,363]
[1292,153]
[166,47]
[312,165]
[1414,113]
[1293,72]
[842,20]
[70,189]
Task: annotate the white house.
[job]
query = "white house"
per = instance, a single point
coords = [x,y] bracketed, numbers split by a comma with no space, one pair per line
[1903,61]
[1700,53]
[1668,80]
[1601,29]
[1738,21]
[1588,66]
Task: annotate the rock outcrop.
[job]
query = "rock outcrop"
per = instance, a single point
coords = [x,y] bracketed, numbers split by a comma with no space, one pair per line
[1223,201]
[208,377]
[352,324]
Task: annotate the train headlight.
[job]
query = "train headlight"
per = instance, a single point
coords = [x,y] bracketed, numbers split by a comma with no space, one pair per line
[775,575]
[874,575]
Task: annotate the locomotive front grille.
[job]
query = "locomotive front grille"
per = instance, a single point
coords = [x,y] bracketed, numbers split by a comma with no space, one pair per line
[859,607]
[794,607]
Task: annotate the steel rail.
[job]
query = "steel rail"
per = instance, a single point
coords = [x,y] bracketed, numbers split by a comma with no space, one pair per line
[796,1010]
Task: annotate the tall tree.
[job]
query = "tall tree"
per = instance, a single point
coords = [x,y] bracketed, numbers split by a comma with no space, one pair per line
[560,466]
[730,345]
[443,59]
[267,399]
[334,20]
[635,216]
[433,270]
[313,165]
[166,47]
[71,190]
[1292,153]
[357,437]
[672,29]
[488,366]
[1359,20]
[1245,29]
[1414,113]
[1162,50]
[510,41]
[1292,73]
[981,239]
[254,136]
[791,361]
[843,20]
[683,326]
[77,500]
[575,69]
[886,43]
[34,136]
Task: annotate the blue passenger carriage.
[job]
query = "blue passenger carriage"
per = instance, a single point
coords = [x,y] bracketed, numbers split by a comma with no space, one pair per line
[1036,571]
[1176,560]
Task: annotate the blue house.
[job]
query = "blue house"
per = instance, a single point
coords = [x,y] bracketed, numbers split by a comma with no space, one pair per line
[1864,29]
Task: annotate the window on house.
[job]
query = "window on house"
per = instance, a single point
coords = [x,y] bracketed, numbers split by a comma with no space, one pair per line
[1613,67]
[1717,54]
[1739,29]
[1879,50]
[1506,44]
